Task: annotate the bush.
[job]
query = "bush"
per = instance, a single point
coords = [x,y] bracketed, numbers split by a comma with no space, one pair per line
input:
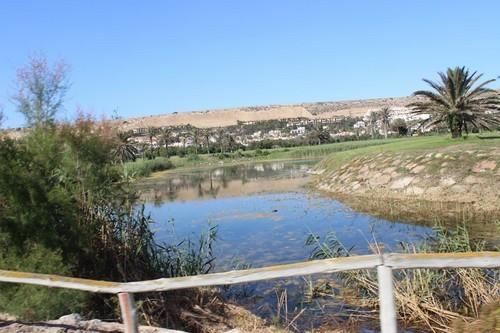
[67,209]
[222,156]
[144,168]
[35,302]
[193,157]
[260,152]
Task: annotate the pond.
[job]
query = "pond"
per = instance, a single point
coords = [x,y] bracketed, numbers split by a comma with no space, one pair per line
[264,213]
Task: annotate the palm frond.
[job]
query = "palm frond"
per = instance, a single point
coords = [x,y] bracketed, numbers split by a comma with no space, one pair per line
[459,101]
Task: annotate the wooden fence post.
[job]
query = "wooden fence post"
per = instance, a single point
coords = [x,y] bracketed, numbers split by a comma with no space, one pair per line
[388,322]
[129,312]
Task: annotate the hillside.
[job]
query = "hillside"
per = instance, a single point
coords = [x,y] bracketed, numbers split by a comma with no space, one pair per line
[228,117]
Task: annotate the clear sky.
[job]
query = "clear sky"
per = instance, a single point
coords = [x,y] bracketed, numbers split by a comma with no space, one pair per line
[153,57]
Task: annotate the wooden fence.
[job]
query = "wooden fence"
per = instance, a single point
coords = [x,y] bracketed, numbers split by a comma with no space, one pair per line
[384,264]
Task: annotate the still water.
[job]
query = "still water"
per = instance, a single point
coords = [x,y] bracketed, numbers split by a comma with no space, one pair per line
[264,213]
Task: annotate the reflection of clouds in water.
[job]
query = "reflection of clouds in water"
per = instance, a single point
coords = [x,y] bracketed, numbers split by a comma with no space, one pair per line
[226,181]
[259,167]
[177,181]
[218,172]
[277,166]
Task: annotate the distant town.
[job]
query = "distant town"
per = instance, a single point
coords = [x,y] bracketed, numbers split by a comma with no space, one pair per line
[284,132]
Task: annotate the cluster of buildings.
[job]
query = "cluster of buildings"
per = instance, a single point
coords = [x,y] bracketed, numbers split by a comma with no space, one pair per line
[248,133]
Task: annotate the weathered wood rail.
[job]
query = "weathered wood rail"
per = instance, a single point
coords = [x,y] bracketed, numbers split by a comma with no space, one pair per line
[384,264]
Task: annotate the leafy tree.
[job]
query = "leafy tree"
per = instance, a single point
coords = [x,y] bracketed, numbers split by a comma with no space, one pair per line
[41,89]
[458,102]
[385,118]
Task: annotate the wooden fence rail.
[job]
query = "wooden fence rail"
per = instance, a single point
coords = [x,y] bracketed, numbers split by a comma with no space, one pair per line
[384,264]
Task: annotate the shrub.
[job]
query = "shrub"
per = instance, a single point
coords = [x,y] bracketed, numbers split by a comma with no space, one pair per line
[143,168]
[35,302]
[193,157]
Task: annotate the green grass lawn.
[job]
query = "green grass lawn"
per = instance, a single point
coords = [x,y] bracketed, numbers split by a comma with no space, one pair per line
[293,153]
[413,144]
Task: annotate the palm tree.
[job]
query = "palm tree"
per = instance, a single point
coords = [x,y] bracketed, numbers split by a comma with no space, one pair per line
[152,132]
[385,117]
[165,135]
[456,102]
[220,138]
[207,135]
[124,150]
[194,134]
[318,135]
[399,125]
[372,121]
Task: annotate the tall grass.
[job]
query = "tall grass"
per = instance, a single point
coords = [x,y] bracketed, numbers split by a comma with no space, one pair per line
[324,150]
[143,167]
[437,299]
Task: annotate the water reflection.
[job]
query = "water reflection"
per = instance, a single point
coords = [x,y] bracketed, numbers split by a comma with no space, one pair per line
[263,213]
[231,181]
[271,228]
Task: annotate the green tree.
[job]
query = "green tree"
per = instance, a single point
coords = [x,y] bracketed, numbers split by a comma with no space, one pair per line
[207,136]
[384,115]
[166,136]
[458,102]
[40,90]
[195,135]
[317,135]
[152,132]
[1,115]
[372,122]
[124,150]
[400,126]
[220,133]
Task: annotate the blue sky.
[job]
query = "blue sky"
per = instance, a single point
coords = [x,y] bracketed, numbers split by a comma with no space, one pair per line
[153,57]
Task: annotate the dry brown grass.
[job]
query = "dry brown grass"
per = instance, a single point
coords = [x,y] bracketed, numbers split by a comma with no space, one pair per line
[424,297]
[434,299]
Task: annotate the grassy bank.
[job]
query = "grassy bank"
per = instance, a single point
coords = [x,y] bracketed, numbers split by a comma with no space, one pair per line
[412,144]
[143,167]
[336,153]
[293,153]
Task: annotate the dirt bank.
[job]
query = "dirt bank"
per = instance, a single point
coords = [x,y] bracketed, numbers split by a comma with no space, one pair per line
[456,174]
[236,320]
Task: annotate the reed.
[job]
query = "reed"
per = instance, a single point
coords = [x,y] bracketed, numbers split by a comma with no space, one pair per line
[144,167]
[436,299]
